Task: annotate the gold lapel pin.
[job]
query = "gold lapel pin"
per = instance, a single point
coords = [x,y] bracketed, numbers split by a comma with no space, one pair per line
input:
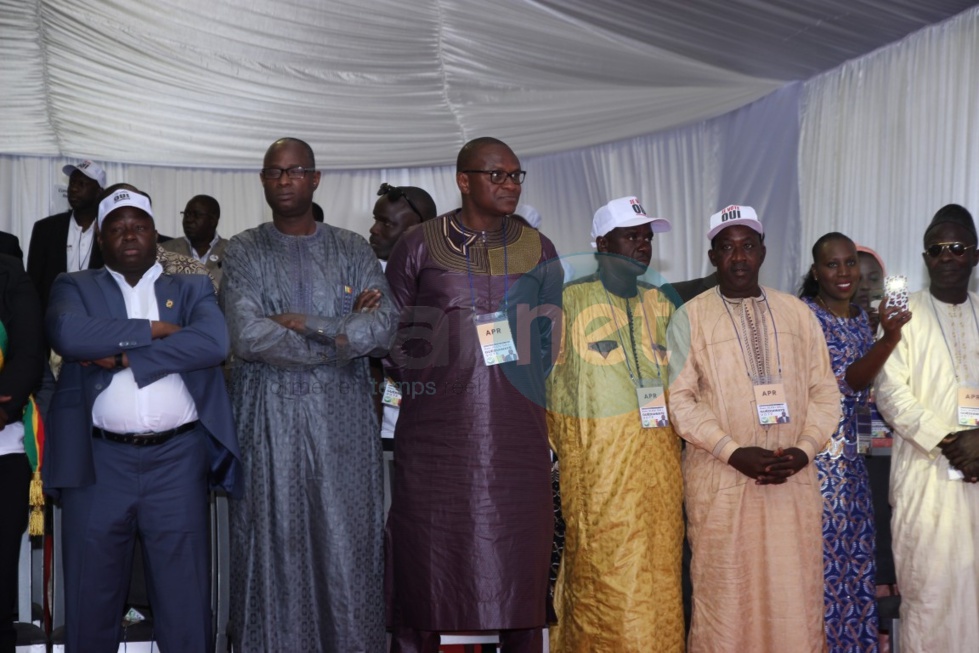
[169,303]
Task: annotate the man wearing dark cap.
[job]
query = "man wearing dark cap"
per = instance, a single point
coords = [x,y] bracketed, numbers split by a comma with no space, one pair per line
[66,242]
[139,427]
[928,391]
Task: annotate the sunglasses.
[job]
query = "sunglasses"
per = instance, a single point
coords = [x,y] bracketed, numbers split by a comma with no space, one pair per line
[395,193]
[957,249]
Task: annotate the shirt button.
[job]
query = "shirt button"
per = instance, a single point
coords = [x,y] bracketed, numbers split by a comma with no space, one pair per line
[98,386]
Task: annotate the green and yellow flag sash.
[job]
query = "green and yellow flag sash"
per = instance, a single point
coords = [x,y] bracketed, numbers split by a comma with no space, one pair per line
[33,447]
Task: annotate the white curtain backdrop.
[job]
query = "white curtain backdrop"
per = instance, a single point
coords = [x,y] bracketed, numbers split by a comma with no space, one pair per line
[747,157]
[890,138]
[884,141]
[375,82]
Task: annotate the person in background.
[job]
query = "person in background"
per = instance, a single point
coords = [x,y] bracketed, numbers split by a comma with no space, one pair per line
[201,240]
[22,358]
[753,394]
[10,245]
[66,242]
[926,391]
[622,490]
[848,518]
[397,209]
[870,289]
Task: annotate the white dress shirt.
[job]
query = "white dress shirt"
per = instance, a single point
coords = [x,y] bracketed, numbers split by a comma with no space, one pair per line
[210,248]
[124,407]
[80,244]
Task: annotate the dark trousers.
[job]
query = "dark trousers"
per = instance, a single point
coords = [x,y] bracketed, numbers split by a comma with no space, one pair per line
[15,480]
[161,493]
[408,640]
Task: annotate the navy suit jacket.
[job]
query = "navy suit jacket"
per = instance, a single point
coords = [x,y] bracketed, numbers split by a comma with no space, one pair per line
[86,320]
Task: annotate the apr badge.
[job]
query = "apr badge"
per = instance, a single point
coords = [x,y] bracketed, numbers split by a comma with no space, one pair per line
[968,406]
[493,330]
[770,401]
[652,406]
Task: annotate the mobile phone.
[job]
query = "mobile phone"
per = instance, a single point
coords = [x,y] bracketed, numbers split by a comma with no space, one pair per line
[896,291]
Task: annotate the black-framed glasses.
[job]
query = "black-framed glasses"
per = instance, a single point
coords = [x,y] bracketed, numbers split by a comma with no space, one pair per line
[958,249]
[499,176]
[295,172]
[395,193]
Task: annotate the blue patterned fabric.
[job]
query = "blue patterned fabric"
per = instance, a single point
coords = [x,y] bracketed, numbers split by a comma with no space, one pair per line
[848,514]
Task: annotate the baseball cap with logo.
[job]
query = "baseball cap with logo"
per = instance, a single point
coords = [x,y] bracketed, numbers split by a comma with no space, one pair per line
[90,169]
[122,198]
[733,215]
[624,212]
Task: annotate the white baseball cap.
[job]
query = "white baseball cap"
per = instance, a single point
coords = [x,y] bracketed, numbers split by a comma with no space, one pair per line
[733,215]
[90,169]
[121,198]
[624,212]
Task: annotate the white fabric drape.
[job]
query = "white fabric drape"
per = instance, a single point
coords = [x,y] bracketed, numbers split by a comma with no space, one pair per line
[684,175]
[890,138]
[885,141]
[368,83]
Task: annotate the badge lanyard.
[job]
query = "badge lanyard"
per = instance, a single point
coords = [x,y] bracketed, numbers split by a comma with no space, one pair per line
[744,355]
[506,275]
[770,399]
[948,347]
[968,394]
[493,329]
[651,398]
[637,377]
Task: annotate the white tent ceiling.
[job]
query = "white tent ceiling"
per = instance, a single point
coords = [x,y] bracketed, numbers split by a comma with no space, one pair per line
[398,83]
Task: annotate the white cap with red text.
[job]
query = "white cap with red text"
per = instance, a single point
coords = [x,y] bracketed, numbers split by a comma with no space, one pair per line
[733,215]
[624,212]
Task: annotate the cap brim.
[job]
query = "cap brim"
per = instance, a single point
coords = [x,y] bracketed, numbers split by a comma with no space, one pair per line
[68,169]
[754,225]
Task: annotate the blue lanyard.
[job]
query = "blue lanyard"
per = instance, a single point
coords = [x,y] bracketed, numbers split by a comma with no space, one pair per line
[506,266]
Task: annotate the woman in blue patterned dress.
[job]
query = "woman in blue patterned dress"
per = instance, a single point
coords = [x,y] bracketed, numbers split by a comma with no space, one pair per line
[848,517]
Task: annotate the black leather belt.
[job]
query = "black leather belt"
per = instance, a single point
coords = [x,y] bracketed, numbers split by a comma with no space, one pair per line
[143,439]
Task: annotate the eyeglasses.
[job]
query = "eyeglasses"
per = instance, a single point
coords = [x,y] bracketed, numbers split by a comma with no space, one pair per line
[296,172]
[957,249]
[499,176]
[195,215]
[395,193]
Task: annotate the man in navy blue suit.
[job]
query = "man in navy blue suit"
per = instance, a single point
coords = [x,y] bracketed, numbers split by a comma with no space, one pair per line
[139,427]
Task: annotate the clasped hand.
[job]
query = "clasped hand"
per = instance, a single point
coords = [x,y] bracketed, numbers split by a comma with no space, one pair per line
[963,453]
[768,467]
